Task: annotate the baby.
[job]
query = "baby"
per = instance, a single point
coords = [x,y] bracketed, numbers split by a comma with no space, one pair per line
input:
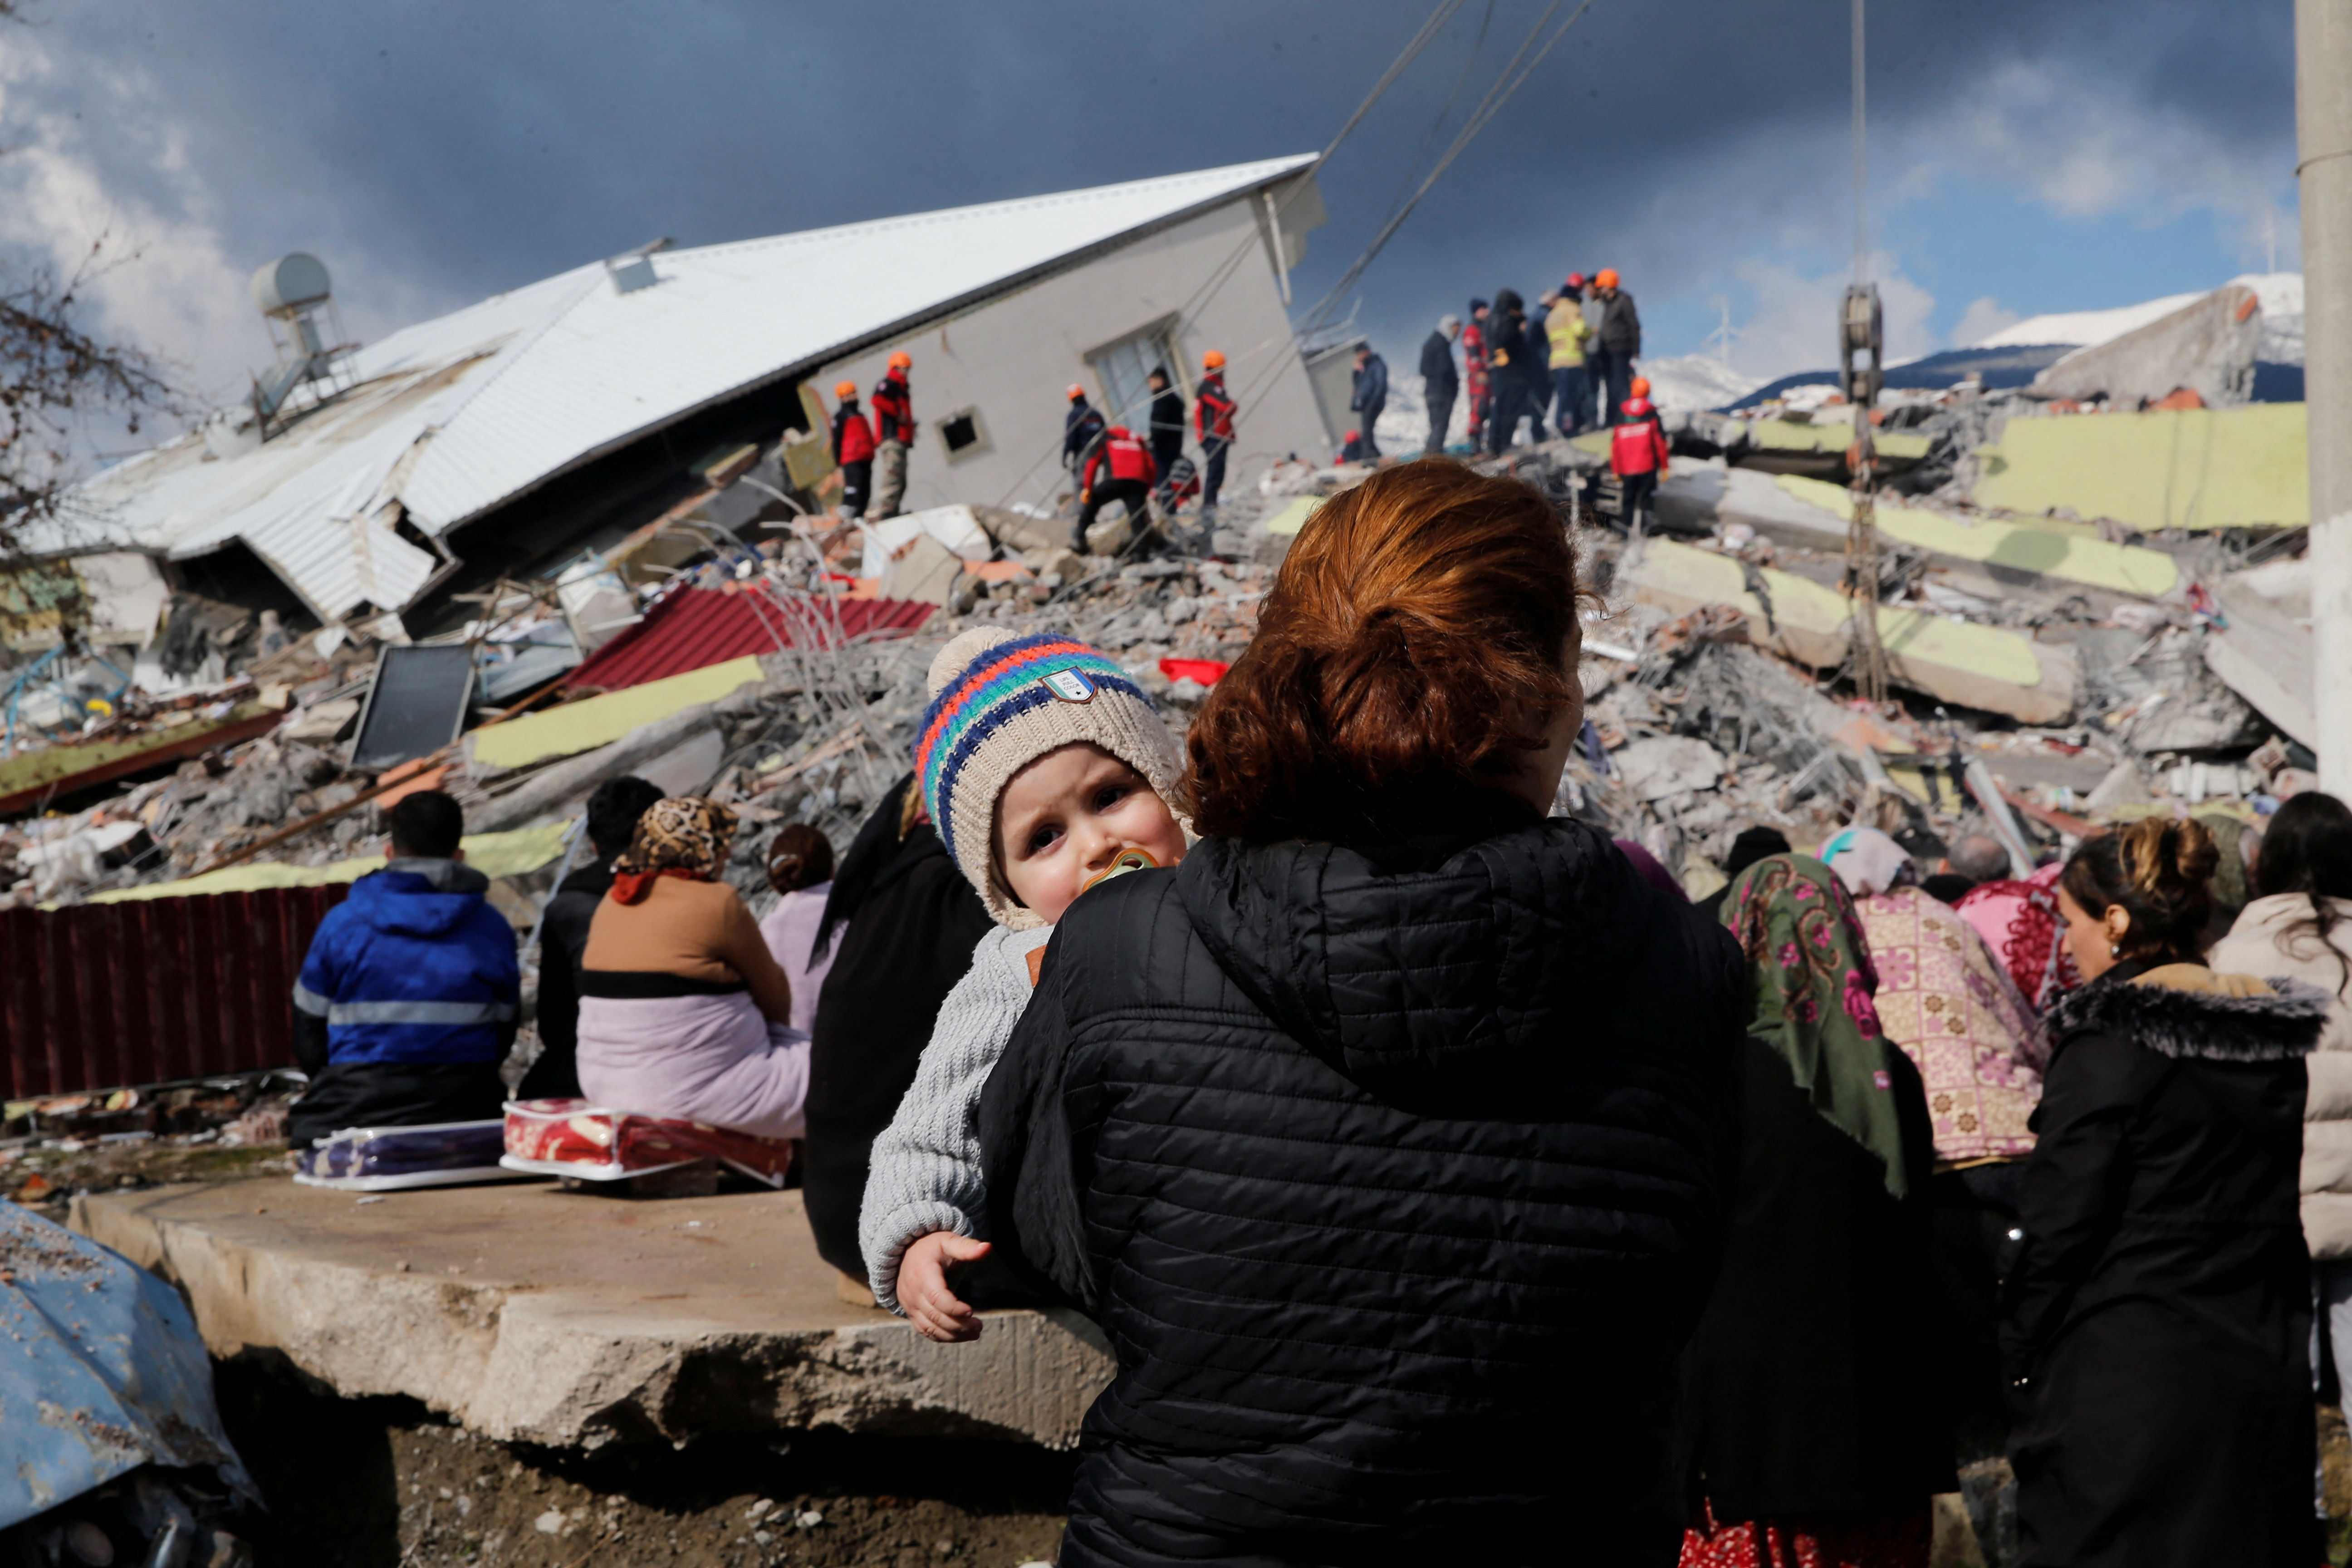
[1044,766]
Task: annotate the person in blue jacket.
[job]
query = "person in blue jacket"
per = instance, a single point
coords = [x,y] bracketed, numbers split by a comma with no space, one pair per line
[406,1001]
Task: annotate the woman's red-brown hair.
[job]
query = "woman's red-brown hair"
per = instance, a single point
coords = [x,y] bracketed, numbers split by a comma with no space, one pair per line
[1406,660]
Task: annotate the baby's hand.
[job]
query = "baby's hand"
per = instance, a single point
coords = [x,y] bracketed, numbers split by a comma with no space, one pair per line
[923,1291]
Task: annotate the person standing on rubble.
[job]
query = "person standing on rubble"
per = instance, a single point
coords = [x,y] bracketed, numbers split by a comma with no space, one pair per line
[1508,367]
[1082,427]
[1121,471]
[1566,331]
[1474,372]
[1440,381]
[1594,387]
[1368,396]
[407,1000]
[853,453]
[1167,429]
[1398,1261]
[1213,423]
[893,434]
[614,807]
[1638,456]
[1619,339]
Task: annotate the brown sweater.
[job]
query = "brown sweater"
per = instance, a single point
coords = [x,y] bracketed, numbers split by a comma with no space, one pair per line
[699,930]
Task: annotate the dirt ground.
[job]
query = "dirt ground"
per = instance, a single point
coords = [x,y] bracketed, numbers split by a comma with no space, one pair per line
[373,1483]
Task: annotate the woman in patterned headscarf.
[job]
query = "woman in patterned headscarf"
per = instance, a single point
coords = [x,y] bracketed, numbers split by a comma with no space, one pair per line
[683,1010]
[1813,1419]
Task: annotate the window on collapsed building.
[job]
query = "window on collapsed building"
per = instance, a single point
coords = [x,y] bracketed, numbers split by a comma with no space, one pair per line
[1123,370]
[963,434]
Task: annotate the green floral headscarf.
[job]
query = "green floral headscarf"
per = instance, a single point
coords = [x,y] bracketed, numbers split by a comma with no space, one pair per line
[1813,988]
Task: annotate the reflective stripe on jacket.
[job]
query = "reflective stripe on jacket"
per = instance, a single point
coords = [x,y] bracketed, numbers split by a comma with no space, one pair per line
[415,967]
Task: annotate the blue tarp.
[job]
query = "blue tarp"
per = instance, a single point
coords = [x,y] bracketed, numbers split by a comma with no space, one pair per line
[101,1371]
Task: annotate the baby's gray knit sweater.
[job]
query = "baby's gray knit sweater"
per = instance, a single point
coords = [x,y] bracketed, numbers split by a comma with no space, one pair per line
[925,1174]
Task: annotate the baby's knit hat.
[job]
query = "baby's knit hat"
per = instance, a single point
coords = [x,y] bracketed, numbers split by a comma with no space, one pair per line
[1000,701]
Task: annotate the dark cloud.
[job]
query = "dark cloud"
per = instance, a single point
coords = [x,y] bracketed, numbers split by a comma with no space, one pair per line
[439,151]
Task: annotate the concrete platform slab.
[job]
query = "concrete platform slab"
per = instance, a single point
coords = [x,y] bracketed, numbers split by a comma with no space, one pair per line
[532,1315]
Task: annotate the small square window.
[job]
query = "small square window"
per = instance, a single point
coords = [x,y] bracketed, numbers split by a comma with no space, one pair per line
[962,435]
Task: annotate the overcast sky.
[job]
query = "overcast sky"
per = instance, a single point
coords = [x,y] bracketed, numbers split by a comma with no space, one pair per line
[2026,156]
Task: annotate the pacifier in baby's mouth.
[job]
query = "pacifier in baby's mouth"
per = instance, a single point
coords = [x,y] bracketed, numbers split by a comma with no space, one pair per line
[1126,860]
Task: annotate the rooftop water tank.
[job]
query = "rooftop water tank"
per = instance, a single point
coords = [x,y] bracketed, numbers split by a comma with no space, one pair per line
[290,283]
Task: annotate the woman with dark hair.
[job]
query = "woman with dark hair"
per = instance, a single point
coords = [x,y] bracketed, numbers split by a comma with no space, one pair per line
[1386,1137]
[2299,925]
[2159,1310]
[800,869]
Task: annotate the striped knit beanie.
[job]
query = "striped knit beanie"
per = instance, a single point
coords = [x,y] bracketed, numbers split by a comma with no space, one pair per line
[998,703]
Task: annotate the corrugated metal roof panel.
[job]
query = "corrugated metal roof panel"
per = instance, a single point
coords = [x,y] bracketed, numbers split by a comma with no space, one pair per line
[693,629]
[454,416]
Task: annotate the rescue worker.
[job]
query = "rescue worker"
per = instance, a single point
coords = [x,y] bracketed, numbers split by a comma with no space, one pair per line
[1620,340]
[1213,423]
[894,433]
[1121,471]
[1567,332]
[1440,381]
[1638,456]
[1595,392]
[1474,371]
[1368,396]
[853,451]
[1509,365]
[1082,427]
[1166,428]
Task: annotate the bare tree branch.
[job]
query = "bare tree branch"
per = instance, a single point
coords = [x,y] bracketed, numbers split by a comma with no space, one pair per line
[55,377]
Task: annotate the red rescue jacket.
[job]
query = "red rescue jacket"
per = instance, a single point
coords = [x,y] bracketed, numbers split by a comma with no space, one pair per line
[852,439]
[1123,456]
[1213,411]
[1638,445]
[894,409]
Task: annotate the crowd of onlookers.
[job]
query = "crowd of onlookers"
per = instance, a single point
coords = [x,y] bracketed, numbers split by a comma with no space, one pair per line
[1439,1172]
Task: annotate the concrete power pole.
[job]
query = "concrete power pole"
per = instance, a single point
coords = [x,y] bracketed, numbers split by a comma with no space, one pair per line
[2322,114]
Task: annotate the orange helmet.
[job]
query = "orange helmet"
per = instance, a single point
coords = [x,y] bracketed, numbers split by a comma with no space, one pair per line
[845,389]
[1639,386]
[1606,277]
[1212,359]
[1077,392]
[900,361]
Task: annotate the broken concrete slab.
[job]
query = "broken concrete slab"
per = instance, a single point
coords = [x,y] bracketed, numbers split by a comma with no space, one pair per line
[495,855]
[1657,766]
[2194,468]
[595,721]
[538,1315]
[1981,667]
[2265,656]
[921,571]
[2010,550]
[2209,347]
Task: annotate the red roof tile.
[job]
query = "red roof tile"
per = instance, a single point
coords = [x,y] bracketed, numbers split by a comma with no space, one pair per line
[693,629]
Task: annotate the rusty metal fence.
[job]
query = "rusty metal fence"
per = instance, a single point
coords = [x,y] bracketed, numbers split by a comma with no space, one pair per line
[105,995]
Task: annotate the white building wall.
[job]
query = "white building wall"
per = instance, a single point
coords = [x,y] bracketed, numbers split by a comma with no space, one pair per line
[1015,358]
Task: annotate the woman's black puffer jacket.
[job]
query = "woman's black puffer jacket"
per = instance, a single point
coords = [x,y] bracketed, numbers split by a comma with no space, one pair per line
[1397,1185]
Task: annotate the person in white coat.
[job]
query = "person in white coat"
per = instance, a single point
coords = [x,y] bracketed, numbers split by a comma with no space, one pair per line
[2299,927]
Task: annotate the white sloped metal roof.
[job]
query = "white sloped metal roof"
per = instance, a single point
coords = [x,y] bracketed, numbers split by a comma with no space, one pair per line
[455,416]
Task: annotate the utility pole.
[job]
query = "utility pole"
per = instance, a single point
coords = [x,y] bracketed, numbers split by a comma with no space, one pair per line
[1861,330]
[2322,114]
